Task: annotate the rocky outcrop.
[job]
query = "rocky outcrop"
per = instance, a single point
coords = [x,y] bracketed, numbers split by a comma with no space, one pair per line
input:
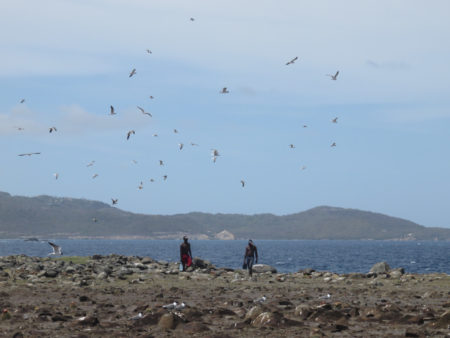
[225,235]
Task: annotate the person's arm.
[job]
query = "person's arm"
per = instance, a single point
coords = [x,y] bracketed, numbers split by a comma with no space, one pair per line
[256,253]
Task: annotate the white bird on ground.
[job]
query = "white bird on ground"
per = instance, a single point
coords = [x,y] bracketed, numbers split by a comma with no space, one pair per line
[170,306]
[57,250]
[133,72]
[260,300]
[333,77]
[180,306]
[292,61]
[138,316]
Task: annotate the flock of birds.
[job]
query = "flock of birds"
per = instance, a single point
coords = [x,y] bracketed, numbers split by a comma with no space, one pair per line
[214,152]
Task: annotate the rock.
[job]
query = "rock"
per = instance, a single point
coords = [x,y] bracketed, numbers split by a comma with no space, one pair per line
[224,235]
[263,319]
[262,268]
[51,273]
[381,267]
[307,271]
[97,257]
[194,327]
[167,322]
[70,269]
[253,313]
[397,273]
[443,321]
[303,311]
[102,275]
[147,260]
[197,262]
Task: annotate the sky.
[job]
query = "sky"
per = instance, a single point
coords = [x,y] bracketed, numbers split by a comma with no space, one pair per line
[70,61]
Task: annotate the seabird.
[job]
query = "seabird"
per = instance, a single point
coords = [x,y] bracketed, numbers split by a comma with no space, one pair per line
[149,51]
[95,220]
[292,61]
[161,162]
[133,72]
[243,183]
[52,129]
[19,128]
[56,175]
[112,112]
[114,201]
[137,317]
[192,19]
[165,177]
[333,77]
[305,126]
[224,90]
[291,146]
[194,144]
[334,120]
[155,135]
[152,180]
[180,145]
[144,112]
[141,186]
[94,176]
[260,300]
[180,306]
[214,154]
[333,144]
[170,306]
[175,131]
[303,167]
[22,101]
[28,154]
[151,97]
[90,164]
[57,250]
[129,134]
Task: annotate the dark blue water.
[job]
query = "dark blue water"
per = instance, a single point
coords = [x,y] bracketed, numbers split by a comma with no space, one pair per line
[286,256]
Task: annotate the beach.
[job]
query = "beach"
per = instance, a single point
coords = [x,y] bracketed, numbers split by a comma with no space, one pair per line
[123,296]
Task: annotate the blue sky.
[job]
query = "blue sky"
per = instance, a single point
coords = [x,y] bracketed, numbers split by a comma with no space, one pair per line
[70,61]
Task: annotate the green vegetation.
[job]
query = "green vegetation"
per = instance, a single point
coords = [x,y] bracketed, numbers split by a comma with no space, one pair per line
[73,259]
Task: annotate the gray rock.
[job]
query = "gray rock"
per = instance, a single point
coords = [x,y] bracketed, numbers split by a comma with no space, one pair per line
[167,322]
[51,273]
[381,267]
[197,262]
[70,269]
[146,260]
[262,268]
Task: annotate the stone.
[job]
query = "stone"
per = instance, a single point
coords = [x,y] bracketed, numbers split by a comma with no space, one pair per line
[263,268]
[167,322]
[263,319]
[147,260]
[197,262]
[253,313]
[194,327]
[381,267]
[51,273]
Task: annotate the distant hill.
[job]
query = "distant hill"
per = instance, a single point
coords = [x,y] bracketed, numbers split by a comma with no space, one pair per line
[52,217]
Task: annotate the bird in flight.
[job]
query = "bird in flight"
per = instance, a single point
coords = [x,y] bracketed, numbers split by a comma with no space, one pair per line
[144,112]
[151,97]
[114,201]
[52,129]
[161,162]
[333,144]
[90,164]
[133,72]
[152,180]
[22,101]
[303,167]
[305,126]
[291,146]
[333,77]
[141,186]
[129,134]
[29,154]
[149,51]
[57,250]
[194,144]
[192,19]
[155,135]
[334,120]
[165,177]
[243,183]
[175,131]
[292,61]
[56,175]
[214,154]
[94,176]
[224,90]
[112,112]
[180,145]
[19,128]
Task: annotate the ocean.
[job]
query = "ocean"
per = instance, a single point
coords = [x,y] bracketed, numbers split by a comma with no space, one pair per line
[286,256]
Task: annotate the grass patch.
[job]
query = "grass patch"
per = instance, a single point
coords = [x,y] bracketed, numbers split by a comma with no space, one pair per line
[74,259]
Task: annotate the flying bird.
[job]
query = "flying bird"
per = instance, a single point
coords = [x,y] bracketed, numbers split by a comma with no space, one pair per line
[180,145]
[291,146]
[333,144]
[22,101]
[133,72]
[57,250]
[19,128]
[95,175]
[192,19]
[134,161]
[303,167]
[151,97]
[243,183]
[141,186]
[175,131]
[149,51]
[52,129]
[144,112]
[194,144]
[112,112]
[224,90]
[152,180]
[165,177]
[334,120]
[90,164]
[305,126]
[161,162]
[56,175]
[29,154]
[333,77]
[215,154]
[129,134]
[114,201]
[292,61]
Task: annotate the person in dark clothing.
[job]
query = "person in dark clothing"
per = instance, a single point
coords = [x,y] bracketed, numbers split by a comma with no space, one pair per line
[185,253]
[251,252]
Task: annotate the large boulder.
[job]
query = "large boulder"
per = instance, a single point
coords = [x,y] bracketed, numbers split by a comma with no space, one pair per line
[197,262]
[262,268]
[381,267]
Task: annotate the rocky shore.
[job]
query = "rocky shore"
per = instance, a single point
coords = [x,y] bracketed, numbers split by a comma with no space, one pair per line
[120,296]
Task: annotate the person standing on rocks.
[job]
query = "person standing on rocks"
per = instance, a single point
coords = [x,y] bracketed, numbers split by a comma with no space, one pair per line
[250,253]
[185,253]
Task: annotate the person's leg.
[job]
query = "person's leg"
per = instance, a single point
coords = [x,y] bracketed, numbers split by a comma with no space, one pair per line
[250,265]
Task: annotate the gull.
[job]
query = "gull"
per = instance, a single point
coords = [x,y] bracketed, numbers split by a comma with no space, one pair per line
[175,131]
[214,154]
[94,176]
[334,120]
[243,183]
[291,146]
[194,144]
[144,112]
[134,161]
[180,306]
[165,177]
[112,112]
[57,250]
[292,61]
[56,175]
[327,296]
[19,128]
[170,306]
[180,145]
[129,134]
[333,77]
[90,164]
[149,51]
[138,316]
[151,97]
[152,180]
[192,19]
[133,72]
[260,300]
[303,167]
[28,154]
[161,162]
[22,101]
[52,129]
[114,201]
[155,135]
[305,126]
[141,186]
[224,90]
[333,144]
